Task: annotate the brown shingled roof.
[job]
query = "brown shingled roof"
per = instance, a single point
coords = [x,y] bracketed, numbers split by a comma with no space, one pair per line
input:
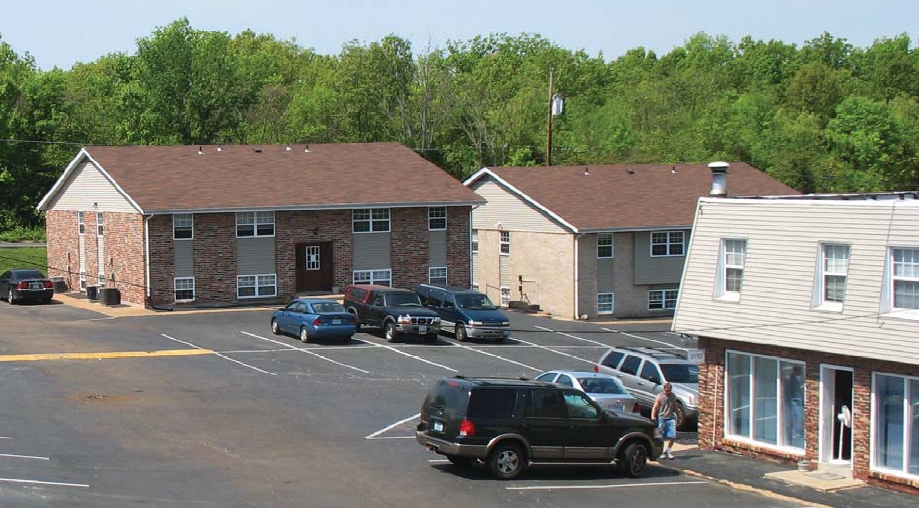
[632,195]
[171,178]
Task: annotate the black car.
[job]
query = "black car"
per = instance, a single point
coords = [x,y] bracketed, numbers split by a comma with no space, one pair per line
[25,284]
[509,424]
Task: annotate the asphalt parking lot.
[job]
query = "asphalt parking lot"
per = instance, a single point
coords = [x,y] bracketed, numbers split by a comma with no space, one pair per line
[211,409]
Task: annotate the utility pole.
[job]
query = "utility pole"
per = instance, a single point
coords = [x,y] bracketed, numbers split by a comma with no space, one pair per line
[549,121]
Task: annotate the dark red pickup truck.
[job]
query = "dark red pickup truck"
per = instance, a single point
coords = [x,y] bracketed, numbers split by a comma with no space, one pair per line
[397,312]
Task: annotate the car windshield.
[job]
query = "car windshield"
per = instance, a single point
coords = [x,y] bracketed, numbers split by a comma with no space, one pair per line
[601,385]
[325,307]
[28,274]
[476,302]
[403,300]
[681,372]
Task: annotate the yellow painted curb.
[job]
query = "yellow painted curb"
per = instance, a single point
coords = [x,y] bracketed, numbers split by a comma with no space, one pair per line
[103,355]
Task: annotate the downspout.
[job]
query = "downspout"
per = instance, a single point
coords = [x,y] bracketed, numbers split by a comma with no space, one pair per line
[471,266]
[147,258]
[577,282]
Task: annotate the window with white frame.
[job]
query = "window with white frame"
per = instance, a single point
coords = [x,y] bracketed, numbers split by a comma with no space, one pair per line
[662,299]
[437,275]
[505,242]
[605,245]
[475,241]
[604,303]
[895,421]
[474,286]
[253,224]
[83,280]
[256,286]
[666,243]
[437,218]
[731,259]
[904,280]
[378,277]
[505,296]
[370,220]
[100,224]
[81,225]
[184,289]
[832,271]
[765,399]
[100,279]
[183,226]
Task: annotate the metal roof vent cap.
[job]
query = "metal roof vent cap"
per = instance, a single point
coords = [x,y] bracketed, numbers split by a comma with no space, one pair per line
[719,178]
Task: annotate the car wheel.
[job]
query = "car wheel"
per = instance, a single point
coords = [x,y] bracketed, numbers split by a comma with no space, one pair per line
[633,459]
[304,335]
[389,331]
[464,462]
[506,461]
[275,329]
[10,298]
[460,332]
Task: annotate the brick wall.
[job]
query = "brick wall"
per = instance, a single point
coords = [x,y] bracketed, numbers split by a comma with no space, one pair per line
[458,247]
[298,227]
[124,255]
[409,246]
[63,247]
[711,413]
[215,258]
[162,271]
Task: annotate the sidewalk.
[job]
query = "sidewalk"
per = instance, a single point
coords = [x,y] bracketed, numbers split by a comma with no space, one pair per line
[80,300]
[783,482]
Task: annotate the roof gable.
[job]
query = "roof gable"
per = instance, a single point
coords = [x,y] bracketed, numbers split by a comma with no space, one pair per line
[626,196]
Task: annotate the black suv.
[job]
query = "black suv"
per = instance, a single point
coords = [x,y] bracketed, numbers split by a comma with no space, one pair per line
[509,424]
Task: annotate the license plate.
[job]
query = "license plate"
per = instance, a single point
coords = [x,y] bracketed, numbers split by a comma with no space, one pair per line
[37,285]
[438,427]
[422,329]
[336,321]
[621,409]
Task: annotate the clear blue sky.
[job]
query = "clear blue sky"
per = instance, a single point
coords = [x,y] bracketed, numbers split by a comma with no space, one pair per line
[63,32]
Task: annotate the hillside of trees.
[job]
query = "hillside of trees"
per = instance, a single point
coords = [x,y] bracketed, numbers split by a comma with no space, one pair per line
[823,117]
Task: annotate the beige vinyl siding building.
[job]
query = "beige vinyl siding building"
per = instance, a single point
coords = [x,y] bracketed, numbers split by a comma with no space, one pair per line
[828,284]
[598,242]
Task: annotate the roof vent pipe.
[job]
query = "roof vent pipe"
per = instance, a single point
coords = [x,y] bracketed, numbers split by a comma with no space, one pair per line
[719,177]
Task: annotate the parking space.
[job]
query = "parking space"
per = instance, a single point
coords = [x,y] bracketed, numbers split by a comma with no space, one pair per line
[269,419]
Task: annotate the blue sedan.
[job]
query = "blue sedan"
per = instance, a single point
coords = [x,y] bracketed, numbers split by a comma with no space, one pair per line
[314,319]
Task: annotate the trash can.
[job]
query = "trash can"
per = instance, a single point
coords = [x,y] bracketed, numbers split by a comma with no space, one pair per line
[109,296]
[92,292]
[60,285]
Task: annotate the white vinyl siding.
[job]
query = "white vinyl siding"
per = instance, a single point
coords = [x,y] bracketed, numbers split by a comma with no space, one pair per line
[776,307]
[87,185]
[511,211]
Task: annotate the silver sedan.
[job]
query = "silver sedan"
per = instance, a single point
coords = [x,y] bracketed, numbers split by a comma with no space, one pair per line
[604,389]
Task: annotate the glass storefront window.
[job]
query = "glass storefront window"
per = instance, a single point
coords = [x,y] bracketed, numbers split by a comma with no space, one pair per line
[765,399]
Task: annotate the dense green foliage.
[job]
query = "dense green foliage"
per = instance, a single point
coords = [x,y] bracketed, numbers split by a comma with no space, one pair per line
[825,117]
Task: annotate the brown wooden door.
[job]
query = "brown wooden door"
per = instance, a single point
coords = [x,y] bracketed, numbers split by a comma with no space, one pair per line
[314,266]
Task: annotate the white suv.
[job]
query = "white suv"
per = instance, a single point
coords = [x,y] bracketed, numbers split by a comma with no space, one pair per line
[643,372]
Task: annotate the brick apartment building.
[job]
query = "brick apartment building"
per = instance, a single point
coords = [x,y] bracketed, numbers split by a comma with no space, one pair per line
[223,225]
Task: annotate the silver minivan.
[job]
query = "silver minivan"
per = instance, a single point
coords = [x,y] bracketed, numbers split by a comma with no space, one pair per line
[643,372]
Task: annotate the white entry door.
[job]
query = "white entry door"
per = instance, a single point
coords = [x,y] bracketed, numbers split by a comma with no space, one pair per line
[836,417]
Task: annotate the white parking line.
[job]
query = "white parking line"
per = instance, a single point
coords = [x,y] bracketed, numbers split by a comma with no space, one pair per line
[572,336]
[674,346]
[39,482]
[556,352]
[221,355]
[420,359]
[616,486]
[497,356]
[390,427]
[307,351]
[23,456]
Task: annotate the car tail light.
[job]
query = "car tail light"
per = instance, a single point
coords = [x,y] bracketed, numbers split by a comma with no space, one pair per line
[636,408]
[22,285]
[317,322]
[47,284]
[467,428]
[596,368]
[353,320]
